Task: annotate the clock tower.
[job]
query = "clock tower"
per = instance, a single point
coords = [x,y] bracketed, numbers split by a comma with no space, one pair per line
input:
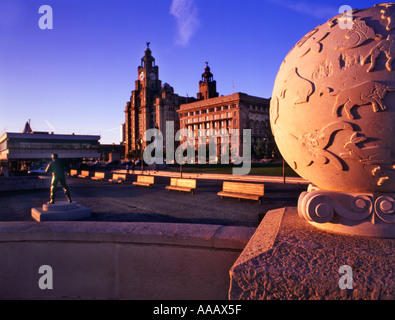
[148,72]
[150,105]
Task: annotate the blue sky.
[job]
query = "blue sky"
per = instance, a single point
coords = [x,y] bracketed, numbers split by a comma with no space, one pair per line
[78,76]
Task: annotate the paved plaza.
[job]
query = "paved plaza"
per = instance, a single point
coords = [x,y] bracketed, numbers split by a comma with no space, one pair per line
[130,203]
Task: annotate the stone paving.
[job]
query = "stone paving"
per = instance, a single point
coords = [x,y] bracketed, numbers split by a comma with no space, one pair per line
[127,202]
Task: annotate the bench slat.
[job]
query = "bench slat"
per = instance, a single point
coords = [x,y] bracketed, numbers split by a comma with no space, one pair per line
[98,176]
[146,181]
[84,174]
[242,190]
[248,188]
[180,184]
[116,177]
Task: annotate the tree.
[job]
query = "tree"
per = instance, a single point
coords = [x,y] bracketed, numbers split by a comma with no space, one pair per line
[259,149]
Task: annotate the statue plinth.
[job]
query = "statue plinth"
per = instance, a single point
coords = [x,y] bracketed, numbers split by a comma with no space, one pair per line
[364,214]
[60,211]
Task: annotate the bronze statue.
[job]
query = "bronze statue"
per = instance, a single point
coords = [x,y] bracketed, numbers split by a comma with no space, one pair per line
[57,169]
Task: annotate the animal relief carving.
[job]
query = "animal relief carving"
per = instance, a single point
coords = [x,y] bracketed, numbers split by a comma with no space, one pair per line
[349,60]
[358,35]
[369,155]
[377,156]
[314,44]
[323,70]
[386,46]
[316,144]
[369,92]
[387,13]
[301,88]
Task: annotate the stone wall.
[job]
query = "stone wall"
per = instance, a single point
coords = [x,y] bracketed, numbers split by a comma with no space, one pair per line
[24,183]
[106,260]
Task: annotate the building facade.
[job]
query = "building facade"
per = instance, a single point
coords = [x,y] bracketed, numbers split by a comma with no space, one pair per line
[224,115]
[152,104]
[22,149]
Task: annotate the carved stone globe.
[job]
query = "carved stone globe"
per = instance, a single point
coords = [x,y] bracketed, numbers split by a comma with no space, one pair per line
[333,116]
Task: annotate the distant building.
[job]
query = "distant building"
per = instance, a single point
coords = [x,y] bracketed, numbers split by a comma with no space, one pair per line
[152,104]
[18,150]
[222,114]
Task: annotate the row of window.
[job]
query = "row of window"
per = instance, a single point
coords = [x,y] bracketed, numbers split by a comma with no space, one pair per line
[222,108]
[216,124]
[46,146]
[208,118]
[215,109]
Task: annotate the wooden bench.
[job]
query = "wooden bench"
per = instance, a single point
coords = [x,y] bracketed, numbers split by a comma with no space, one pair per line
[98,176]
[242,190]
[145,181]
[187,185]
[118,178]
[84,174]
[73,173]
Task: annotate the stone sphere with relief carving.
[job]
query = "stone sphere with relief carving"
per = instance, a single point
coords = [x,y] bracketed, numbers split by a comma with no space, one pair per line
[333,104]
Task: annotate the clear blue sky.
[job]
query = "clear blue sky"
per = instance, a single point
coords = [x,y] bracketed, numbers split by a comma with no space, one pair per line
[78,76]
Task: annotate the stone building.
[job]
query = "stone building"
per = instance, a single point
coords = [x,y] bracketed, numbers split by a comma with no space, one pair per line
[152,104]
[220,115]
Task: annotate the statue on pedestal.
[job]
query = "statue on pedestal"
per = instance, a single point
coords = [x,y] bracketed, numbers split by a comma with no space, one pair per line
[57,169]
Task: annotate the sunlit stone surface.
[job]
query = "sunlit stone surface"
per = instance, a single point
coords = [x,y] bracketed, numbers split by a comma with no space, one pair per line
[333,113]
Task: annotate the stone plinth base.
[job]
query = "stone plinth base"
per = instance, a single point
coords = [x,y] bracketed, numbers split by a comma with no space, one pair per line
[287,258]
[363,214]
[60,211]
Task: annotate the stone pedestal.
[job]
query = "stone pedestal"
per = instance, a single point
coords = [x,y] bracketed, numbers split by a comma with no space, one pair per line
[364,214]
[60,211]
[287,258]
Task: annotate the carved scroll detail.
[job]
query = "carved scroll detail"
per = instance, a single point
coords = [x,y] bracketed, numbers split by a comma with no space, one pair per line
[322,206]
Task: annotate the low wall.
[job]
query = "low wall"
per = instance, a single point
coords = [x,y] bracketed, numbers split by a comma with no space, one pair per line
[105,260]
[24,183]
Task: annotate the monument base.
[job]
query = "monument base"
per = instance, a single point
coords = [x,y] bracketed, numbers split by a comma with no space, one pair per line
[289,259]
[60,211]
[363,214]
